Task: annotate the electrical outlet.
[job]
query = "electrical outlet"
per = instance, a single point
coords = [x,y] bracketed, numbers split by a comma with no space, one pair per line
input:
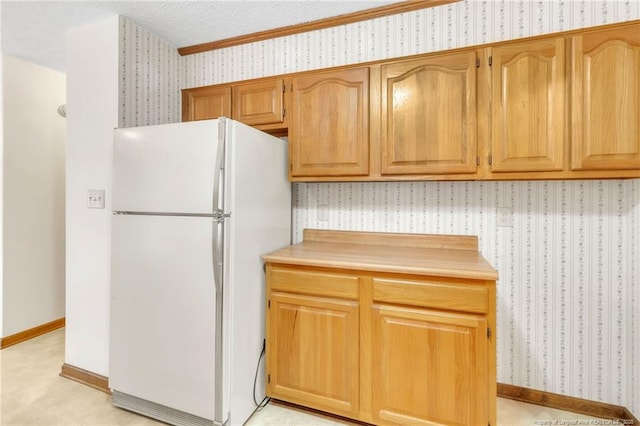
[504,217]
[95,198]
[323,213]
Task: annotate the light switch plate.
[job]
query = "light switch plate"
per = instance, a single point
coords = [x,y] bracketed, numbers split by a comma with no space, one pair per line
[95,198]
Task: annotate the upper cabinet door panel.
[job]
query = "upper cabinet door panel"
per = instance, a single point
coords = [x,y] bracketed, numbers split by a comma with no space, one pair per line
[606,100]
[207,102]
[259,103]
[329,130]
[428,115]
[528,106]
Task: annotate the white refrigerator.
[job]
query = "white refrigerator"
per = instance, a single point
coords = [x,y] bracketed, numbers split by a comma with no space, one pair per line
[195,205]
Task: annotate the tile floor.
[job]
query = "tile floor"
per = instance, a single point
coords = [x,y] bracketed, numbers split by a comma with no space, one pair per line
[33,393]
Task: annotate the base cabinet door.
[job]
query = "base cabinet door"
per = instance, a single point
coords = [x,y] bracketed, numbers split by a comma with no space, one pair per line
[429,367]
[312,352]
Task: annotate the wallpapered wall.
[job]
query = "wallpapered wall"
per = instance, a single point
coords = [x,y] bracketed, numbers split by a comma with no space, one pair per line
[568,292]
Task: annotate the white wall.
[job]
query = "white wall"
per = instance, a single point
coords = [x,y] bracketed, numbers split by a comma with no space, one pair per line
[92,114]
[33,199]
[1,176]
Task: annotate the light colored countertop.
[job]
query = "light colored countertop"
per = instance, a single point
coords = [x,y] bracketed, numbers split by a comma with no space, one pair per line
[454,256]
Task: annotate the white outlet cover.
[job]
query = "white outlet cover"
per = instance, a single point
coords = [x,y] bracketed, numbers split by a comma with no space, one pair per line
[504,217]
[95,198]
[323,213]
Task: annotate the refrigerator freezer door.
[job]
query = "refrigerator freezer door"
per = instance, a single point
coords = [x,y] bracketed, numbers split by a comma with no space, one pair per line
[163,310]
[165,168]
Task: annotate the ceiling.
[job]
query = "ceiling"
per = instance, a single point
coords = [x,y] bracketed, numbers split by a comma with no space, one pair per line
[35,30]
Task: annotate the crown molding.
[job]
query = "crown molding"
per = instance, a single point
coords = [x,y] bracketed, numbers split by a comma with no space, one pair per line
[377,12]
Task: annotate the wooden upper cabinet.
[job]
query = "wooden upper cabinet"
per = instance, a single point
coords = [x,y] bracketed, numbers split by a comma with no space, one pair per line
[428,115]
[529,104]
[261,102]
[556,106]
[207,102]
[329,124]
[606,99]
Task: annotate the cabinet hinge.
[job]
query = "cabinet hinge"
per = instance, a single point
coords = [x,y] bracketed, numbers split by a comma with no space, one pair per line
[488,333]
[477,62]
[490,60]
[490,159]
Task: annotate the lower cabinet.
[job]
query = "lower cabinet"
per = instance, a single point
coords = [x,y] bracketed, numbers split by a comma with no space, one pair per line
[386,349]
[311,354]
[428,367]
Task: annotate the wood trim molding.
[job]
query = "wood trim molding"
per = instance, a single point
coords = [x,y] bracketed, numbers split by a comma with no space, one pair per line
[14,339]
[85,377]
[318,413]
[566,403]
[376,12]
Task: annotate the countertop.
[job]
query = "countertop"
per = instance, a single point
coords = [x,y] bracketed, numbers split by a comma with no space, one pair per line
[454,256]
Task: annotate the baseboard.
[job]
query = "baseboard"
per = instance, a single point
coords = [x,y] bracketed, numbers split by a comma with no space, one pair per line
[318,413]
[14,339]
[85,377]
[629,416]
[566,403]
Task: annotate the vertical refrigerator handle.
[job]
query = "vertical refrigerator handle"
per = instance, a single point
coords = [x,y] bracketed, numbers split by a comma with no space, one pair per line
[218,255]
[218,179]
[218,277]
[218,268]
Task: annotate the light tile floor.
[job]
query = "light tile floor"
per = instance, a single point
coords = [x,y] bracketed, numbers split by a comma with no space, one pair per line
[33,393]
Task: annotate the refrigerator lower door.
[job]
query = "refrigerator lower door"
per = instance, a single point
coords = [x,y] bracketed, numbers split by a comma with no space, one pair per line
[163,319]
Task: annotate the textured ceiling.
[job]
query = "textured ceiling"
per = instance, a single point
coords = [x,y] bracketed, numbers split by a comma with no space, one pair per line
[35,30]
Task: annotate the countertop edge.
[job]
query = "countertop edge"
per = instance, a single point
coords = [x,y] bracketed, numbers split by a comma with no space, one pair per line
[363,266]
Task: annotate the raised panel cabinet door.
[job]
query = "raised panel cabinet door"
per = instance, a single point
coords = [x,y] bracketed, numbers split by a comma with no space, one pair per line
[429,367]
[428,115]
[329,132]
[529,104]
[606,100]
[261,102]
[312,352]
[207,102]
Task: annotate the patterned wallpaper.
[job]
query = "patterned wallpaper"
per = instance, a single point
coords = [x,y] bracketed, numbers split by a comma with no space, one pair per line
[150,71]
[568,292]
[567,266]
